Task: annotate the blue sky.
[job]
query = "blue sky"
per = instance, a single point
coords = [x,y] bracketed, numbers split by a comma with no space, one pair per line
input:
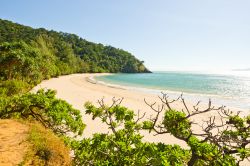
[167,35]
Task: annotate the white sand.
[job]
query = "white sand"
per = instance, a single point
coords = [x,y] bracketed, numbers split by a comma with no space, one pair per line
[76,90]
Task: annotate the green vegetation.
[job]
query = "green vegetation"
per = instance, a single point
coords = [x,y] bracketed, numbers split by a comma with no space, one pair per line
[62,53]
[46,148]
[43,107]
[219,143]
[28,56]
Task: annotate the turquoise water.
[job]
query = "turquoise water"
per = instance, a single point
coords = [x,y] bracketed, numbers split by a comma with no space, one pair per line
[231,89]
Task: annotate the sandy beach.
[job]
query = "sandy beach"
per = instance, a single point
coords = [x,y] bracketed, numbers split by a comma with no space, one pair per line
[80,88]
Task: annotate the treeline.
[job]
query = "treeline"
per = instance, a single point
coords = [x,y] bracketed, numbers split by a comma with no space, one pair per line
[28,56]
[71,49]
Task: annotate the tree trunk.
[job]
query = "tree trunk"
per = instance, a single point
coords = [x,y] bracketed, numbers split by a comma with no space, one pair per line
[193,159]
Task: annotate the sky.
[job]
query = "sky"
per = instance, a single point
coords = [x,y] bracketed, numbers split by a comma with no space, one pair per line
[166,34]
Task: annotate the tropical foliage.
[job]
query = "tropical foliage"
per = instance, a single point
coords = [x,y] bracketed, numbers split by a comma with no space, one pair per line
[43,107]
[64,52]
[28,56]
[223,142]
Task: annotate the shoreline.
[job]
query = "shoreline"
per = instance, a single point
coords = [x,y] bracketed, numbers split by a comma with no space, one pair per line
[191,97]
[76,89]
[92,80]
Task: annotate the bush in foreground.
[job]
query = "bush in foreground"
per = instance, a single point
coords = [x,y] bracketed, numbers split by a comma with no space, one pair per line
[223,140]
[44,107]
[46,148]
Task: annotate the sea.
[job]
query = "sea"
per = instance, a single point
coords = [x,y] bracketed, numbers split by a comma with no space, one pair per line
[229,88]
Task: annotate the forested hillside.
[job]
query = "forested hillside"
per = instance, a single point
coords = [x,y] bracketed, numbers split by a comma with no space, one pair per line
[28,56]
[71,51]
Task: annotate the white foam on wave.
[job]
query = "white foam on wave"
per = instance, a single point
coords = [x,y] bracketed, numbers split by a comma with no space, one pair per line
[243,105]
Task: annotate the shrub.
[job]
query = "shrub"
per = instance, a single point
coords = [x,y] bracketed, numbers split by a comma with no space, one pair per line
[46,148]
[11,87]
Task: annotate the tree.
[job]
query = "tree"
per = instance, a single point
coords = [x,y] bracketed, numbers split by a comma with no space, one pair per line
[18,59]
[224,139]
[223,143]
[43,107]
[124,146]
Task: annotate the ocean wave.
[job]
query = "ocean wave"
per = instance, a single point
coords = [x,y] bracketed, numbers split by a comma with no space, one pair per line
[230,101]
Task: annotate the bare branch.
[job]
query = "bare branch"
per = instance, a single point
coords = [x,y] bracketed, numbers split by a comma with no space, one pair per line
[138,116]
